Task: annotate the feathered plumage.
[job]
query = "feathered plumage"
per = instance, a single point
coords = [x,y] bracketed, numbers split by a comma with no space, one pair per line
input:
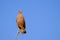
[20,23]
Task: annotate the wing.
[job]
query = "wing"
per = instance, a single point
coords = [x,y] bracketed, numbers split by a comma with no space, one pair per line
[24,24]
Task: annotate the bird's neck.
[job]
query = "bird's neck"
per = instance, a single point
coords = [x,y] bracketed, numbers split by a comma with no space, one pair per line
[19,14]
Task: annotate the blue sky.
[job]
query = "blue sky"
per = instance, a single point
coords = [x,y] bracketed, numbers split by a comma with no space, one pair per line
[42,19]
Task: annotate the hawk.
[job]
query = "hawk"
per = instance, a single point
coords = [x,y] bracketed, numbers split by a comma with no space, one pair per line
[20,23]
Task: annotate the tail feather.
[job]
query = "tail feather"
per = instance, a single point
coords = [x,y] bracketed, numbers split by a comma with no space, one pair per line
[24,32]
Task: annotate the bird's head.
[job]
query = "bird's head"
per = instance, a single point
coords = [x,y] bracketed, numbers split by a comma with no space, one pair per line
[19,11]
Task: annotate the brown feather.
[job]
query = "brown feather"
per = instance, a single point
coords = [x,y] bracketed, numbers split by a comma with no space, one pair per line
[20,21]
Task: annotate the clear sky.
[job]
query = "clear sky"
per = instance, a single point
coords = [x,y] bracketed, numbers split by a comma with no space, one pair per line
[42,19]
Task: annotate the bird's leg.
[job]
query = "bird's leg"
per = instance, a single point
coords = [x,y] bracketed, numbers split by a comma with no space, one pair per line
[16,34]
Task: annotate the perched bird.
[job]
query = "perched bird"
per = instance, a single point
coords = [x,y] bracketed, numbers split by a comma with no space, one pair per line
[20,23]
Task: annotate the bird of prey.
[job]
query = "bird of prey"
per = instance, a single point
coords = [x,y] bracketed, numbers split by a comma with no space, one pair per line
[20,23]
